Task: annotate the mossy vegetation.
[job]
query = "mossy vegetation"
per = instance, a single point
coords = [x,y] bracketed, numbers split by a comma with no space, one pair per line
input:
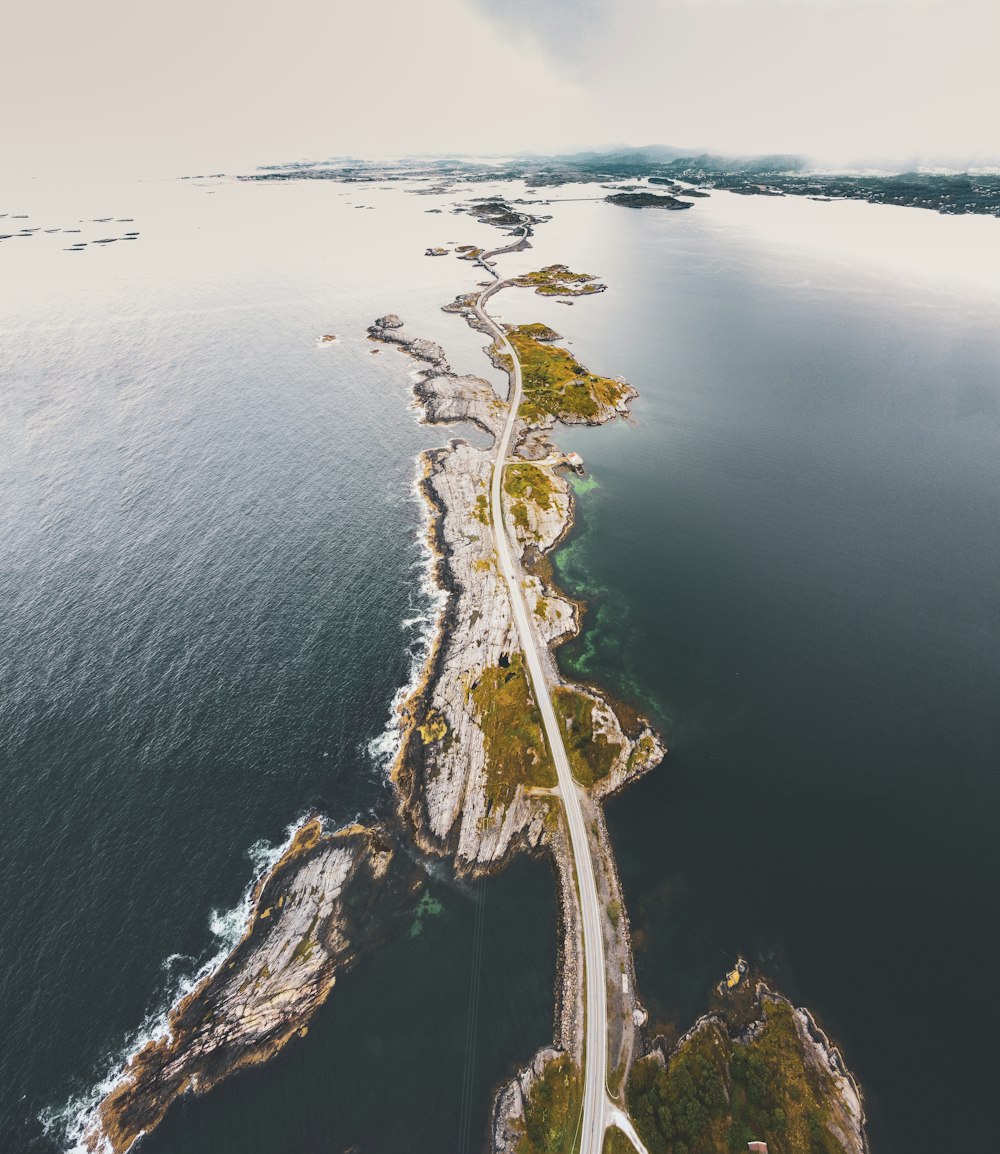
[519,511]
[552,1112]
[306,837]
[462,303]
[558,290]
[434,729]
[642,750]
[558,281]
[615,1142]
[591,755]
[525,482]
[501,358]
[307,943]
[716,1094]
[512,727]
[482,510]
[540,332]
[556,384]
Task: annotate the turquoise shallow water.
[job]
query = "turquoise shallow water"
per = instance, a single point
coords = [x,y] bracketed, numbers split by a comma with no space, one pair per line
[211,594]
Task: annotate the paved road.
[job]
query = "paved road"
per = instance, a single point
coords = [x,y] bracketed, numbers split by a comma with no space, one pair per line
[596,1106]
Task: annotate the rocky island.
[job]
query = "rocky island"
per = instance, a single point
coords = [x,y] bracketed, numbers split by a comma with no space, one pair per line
[477,781]
[646,200]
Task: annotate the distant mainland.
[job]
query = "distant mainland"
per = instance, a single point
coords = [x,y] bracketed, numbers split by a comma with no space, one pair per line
[688,173]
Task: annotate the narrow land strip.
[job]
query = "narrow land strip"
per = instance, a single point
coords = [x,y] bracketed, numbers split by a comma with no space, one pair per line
[595,1057]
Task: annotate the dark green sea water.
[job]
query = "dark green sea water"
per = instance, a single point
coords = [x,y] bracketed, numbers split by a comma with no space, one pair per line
[792,559]
[211,592]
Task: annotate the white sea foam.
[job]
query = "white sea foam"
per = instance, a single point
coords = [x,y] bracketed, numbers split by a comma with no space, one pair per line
[427,602]
[72,1123]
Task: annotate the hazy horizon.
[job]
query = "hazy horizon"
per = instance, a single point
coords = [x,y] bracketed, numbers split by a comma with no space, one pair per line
[115,89]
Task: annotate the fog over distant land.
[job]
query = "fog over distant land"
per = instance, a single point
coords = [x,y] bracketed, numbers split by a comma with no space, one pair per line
[198,85]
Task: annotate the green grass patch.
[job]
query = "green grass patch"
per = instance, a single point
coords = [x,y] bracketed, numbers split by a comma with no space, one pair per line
[556,384]
[512,727]
[482,510]
[540,332]
[560,290]
[591,755]
[557,280]
[552,1112]
[528,483]
[716,1094]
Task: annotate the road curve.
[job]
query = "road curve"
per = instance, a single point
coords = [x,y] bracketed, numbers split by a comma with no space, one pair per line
[595,1101]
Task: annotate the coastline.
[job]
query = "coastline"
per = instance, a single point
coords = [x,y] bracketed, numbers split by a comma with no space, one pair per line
[539,535]
[183,1056]
[447,756]
[757,1024]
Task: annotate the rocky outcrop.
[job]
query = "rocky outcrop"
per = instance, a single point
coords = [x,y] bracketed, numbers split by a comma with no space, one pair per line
[466,789]
[447,399]
[445,772]
[387,329]
[807,1086]
[389,321]
[537,505]
[646,200]
[508,1111]
[329,897]
[846,1117]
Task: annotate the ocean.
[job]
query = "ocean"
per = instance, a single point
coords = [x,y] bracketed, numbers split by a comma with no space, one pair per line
[213,589]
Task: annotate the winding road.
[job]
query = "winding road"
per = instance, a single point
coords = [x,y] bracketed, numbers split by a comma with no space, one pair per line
[597,1109]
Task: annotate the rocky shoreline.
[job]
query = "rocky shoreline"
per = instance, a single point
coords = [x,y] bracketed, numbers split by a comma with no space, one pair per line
[329,898]
[472,780]
[538,503]
[816,1071]
[459,792]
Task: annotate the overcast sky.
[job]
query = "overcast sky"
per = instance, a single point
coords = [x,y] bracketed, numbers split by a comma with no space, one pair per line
[198,85]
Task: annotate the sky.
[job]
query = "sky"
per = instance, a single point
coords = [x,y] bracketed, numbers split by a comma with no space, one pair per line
[202,86]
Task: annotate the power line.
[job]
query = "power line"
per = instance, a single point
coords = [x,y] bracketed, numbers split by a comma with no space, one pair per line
[472,1023]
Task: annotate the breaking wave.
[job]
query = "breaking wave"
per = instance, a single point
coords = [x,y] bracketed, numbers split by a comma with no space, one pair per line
[71,1124]
[422,623]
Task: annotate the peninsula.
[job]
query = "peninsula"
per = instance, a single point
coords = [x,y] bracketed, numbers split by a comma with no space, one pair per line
[499,755]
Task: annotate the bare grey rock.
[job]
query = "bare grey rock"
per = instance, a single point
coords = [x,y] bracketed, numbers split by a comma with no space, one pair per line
[329,897]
